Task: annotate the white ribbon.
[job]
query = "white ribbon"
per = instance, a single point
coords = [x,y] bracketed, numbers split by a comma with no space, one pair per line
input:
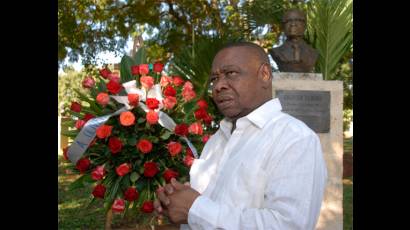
[88,132]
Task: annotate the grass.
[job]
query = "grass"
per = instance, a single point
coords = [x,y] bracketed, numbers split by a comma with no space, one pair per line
[348,190]
[72,212]
[348,203]
[72,205]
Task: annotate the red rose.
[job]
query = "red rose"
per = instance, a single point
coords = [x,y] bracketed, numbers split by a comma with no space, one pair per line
[202,104]
[76,107]
[181,129]
[99,191]
[118,205]
[98,173]
[144,69]
[114,77]
[123,169]
[115,145]
[170,91]
[144,146]
[127,118]
[135,70]
[169,102]
[152,103]
[147,207]
[65,150]
[188,85]
[87,117]
[158,66]
[152,117]
[103,99]
[205,138]
[113,87]
[104,131]
[165,80]
[188,94]
[133,99]
[177,80]
[131,194]
[150,169]
[189,158]
[174,148]
[79,124]
[83,164]
[169,174]
[196,128]
[200,113]
[88,82]
[147,82]
[207,119]
[105,73]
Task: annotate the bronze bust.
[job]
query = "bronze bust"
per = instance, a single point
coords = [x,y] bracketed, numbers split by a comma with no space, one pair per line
[295,55]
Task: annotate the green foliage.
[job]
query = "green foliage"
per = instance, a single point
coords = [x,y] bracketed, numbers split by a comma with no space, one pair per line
[87,27]
[330,27]
[197,66]
[347,118]
[67,83]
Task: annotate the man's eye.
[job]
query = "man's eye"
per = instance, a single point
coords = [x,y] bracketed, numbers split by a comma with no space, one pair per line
[230,73]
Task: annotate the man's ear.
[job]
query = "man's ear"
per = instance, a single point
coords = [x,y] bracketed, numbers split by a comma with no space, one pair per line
[266,75]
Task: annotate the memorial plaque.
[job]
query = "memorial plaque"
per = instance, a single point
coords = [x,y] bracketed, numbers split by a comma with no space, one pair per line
[311,107]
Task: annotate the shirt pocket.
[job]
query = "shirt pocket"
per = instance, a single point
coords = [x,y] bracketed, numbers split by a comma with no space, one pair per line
[248,187]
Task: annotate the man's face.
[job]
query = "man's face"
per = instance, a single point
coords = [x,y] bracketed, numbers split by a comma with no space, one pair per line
[294,24]
[235,83]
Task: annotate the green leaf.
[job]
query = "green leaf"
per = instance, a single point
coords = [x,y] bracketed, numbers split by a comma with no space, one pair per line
[126,63]
[141,56]
[68,123]
[101,86]
[77,183]
[134,177]
[166,135]
[132,141]
[92,103]
[141,120]
[71,133]
[189,106]
[112,193]
[154,139]
[93,200]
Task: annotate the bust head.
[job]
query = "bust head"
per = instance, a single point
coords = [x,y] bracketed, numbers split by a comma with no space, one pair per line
[294,23]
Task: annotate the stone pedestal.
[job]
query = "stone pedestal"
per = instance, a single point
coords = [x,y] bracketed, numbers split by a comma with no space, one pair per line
[331,216]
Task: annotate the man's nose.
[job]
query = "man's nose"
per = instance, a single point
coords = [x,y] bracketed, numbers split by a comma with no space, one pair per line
[221,84]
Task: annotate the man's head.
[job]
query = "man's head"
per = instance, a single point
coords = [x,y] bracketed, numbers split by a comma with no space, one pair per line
[241,79]
[294,23]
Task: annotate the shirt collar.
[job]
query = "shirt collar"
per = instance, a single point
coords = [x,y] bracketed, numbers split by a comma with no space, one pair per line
[265,112]
[259,117]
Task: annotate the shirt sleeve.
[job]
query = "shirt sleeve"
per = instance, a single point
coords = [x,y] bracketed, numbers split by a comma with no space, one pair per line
[293,195]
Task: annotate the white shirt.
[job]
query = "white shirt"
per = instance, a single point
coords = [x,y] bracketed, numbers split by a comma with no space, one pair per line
[268,174]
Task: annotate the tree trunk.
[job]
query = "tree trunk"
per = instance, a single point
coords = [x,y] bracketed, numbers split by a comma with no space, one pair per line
[108,220]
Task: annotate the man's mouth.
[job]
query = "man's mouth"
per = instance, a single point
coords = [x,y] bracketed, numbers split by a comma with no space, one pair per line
[224,101]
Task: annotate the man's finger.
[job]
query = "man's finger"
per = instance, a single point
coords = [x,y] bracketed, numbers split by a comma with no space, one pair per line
[177,185]
[157,206]
[168,189]
[163,198]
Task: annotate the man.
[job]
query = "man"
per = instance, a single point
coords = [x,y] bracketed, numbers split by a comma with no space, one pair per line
[294,55]
[262,169]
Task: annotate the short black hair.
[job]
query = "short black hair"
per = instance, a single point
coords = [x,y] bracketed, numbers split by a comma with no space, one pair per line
[259,51]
